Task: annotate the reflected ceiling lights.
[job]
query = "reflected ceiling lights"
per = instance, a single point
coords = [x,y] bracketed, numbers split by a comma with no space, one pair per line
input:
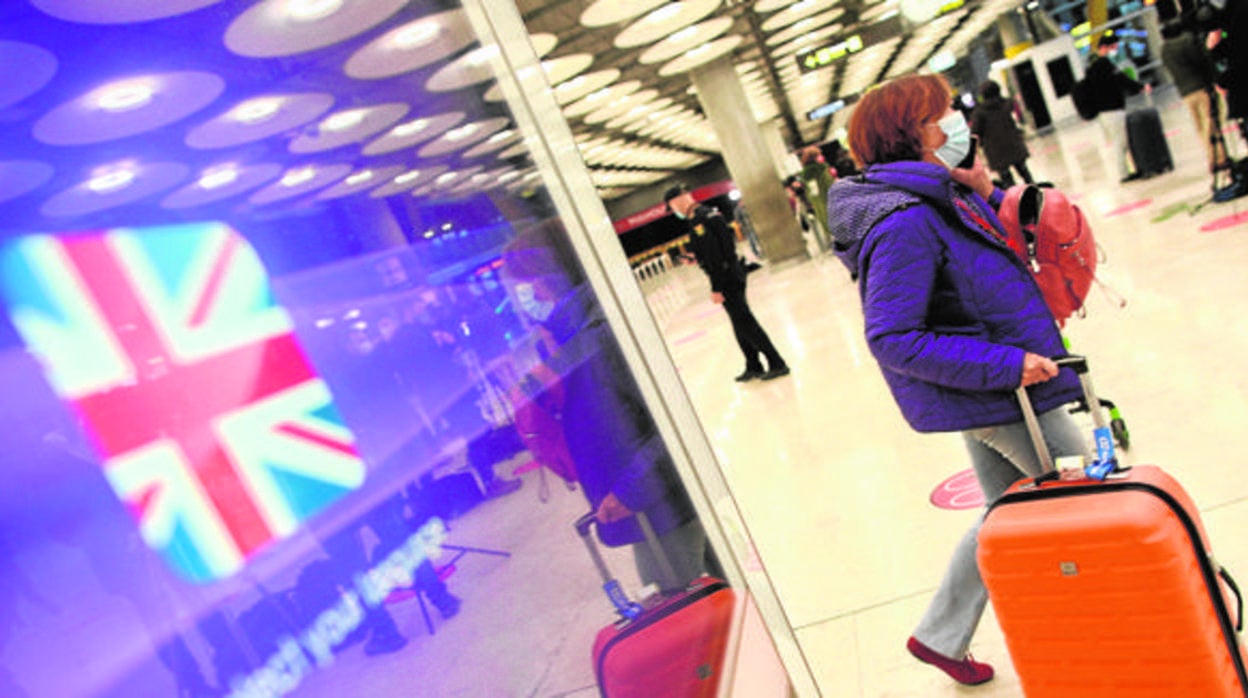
[37,68]
[129,106]
[556,70]
[412,132]
[288,27]
[299,181]
[411,46]
[349,126]
[362,180]
[114,185]
[408,181]
[259,118]
[221,182]
[461,137]
[118,11]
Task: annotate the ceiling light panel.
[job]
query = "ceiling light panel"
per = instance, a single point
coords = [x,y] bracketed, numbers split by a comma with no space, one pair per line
[349,126]
[118,11]
[603,13]
[805,26]
[128,106]
[700,55]
[796,11]
[273,28]
[663,21]
[411,46]
[685,39]
[569,91]
[258,118]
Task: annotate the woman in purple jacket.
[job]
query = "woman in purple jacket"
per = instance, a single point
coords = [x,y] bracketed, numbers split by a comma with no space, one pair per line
[953,317]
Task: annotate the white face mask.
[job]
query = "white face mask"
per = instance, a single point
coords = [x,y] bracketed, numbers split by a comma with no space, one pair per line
[526,297]
[957,139]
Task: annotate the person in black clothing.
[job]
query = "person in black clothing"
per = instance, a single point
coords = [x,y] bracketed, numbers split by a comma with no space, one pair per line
[714,246]
[1111,87]
[999,135]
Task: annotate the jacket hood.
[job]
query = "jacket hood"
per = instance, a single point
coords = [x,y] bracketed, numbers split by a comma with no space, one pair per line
[856,204]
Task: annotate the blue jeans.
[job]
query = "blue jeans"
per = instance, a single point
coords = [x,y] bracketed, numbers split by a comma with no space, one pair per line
[1001,455]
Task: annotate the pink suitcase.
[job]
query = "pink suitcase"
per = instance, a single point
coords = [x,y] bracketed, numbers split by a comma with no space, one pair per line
[673,647]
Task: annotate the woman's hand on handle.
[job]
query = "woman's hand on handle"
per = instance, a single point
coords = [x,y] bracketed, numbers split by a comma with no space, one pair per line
[1037,369]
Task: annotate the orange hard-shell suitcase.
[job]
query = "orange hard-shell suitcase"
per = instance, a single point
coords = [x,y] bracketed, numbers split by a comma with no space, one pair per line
[1109,589]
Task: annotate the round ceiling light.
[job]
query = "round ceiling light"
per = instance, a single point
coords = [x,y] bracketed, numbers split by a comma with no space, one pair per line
[272,28]
[128,107]
[118,11]
[349,126]
[665,20]
[114,185]
[700,56]
[300,180]
[461,137]
[581,85]
[407,181]
[604,13]
[685,39]
[221,182]
[258,118]
[361,180]
[412,132]
[411,46]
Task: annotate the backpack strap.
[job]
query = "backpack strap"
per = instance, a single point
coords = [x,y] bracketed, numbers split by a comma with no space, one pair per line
[1030,206]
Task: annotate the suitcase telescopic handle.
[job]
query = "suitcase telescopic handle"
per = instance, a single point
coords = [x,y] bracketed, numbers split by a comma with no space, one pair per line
[1104,438]
[629,609]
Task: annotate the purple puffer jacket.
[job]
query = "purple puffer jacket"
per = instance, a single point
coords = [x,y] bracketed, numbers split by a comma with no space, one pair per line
[949,309]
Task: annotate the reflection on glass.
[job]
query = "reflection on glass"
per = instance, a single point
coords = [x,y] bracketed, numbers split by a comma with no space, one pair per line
[311,445]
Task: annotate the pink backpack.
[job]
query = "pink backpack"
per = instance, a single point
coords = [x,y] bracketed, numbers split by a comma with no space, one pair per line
[1053,238]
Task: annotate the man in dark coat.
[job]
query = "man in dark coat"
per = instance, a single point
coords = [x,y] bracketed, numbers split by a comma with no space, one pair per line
[1112,86]
[715,248]
[999,135]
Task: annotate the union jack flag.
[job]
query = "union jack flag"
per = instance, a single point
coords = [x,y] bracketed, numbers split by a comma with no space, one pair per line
[213,428]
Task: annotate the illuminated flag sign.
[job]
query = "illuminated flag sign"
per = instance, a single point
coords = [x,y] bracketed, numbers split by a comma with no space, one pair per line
[212,426]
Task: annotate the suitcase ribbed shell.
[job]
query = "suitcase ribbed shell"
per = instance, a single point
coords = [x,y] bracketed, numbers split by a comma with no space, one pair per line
[1105,590]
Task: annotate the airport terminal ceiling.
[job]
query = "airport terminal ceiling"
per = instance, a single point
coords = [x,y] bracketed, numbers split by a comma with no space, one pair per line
[621,68]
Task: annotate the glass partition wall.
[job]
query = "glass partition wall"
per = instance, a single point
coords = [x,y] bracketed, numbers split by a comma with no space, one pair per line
[317,343]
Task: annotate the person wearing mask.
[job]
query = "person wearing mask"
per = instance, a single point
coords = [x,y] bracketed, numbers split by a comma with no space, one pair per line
[1188,62]
[1111,87]
[993,121]
[817,178]
[620,460]
[952,316]
[715,248]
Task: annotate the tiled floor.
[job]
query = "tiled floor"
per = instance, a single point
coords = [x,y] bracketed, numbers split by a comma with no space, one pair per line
[835,487]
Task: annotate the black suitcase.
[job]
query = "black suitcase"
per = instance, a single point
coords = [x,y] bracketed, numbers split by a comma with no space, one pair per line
[1147,142]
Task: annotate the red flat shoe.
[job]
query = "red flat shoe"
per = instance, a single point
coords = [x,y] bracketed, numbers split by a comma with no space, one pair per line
[965,671]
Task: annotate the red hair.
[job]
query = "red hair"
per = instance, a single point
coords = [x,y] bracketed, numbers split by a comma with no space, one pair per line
[885,125]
